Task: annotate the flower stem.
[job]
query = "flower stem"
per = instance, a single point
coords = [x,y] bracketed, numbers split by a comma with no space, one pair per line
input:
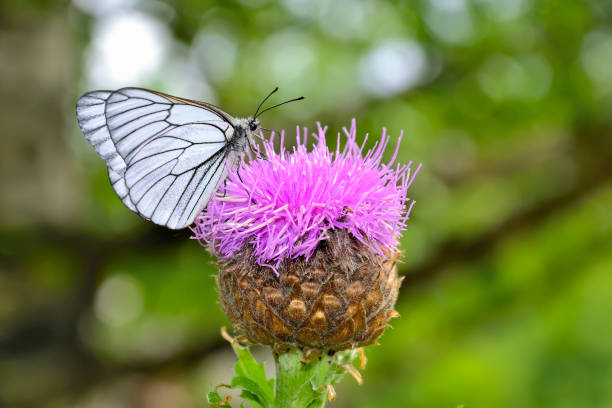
[301,384]
[304,379]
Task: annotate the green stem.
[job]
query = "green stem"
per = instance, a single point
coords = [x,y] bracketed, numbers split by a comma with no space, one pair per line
[293,381]
[303,385]
[299,383]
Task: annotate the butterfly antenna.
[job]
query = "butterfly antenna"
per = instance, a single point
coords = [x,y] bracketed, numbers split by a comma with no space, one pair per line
[276,106]
[264,101]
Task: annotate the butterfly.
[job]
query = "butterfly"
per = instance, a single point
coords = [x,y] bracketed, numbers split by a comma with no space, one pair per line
[166,156]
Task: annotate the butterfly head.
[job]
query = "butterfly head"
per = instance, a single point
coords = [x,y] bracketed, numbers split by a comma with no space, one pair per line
[244,134]
[253,124]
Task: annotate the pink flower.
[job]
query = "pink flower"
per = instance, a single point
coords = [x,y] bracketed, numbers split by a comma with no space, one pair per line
[284,206]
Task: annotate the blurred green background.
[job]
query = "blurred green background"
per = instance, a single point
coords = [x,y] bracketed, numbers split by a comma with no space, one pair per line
[507,300]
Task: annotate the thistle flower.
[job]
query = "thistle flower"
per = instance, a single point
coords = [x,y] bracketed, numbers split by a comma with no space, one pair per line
[307,241]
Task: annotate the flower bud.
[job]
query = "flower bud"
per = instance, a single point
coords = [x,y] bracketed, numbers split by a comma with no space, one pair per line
[341,297]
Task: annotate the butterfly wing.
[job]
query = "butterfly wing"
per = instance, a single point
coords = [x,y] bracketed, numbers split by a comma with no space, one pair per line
[165,155]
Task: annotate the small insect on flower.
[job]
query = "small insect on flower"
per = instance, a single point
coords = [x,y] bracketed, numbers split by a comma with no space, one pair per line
[166,156]
[307,242]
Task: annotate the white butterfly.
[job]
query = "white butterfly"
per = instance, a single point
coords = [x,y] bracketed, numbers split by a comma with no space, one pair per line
[166,156]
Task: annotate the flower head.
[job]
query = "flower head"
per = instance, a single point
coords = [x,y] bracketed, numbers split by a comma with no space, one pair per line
[284,206]
[306,242]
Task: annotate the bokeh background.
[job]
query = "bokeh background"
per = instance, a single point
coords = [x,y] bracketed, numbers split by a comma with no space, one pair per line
[507,300]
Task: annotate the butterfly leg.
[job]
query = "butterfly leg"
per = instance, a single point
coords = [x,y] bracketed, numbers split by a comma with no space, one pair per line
[254,151]
[257,152]
[263,156]
[224,189]
[250,198]
[238,174]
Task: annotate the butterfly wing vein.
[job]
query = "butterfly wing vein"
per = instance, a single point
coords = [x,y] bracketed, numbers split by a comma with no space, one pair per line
[165,156]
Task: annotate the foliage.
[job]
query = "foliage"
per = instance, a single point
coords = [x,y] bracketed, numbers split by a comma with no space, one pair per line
[301,382]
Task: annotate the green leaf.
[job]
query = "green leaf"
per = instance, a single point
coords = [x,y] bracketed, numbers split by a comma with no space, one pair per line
[252,399]
[214,399]
[252,375]
[252,387]
[318,403]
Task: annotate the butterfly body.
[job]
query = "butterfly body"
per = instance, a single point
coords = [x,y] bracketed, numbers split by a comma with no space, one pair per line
[166,156]
[243,136]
